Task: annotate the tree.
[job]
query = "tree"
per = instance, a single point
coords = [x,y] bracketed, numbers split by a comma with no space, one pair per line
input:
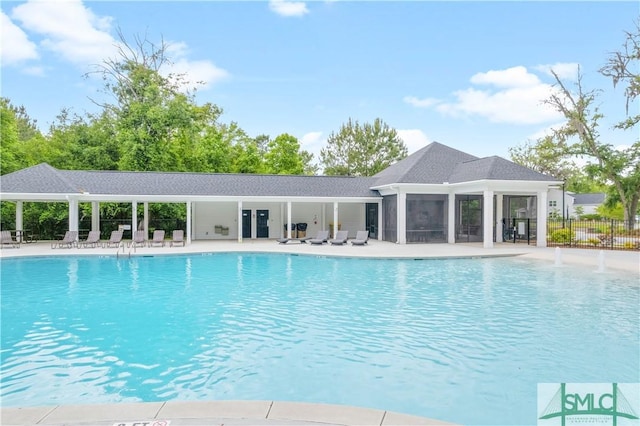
[622,67]
[362,150]
[157,120]
[620,167]
[283,156]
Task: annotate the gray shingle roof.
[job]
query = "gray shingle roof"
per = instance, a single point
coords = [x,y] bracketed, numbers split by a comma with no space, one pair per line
[494,168]
[431,164]
[437,163]
[593,198]
[43,179]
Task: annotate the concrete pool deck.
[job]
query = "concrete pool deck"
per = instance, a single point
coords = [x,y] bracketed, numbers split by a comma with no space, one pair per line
[279,412]
[613,260]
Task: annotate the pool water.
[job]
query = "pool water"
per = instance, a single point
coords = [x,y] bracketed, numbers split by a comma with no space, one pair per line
[463,340]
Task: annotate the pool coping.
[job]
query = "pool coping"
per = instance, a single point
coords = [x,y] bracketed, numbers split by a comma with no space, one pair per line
[196,413]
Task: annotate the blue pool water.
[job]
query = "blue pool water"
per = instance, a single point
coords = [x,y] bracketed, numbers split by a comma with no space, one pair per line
[461,340]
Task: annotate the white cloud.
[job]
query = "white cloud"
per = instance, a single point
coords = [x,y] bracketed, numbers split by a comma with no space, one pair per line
[202,71]
[69,28]
[312,142]
[511,77]
[565,70]
[16,46]
[515,96]
[288,8]
[414,139]
[420,103]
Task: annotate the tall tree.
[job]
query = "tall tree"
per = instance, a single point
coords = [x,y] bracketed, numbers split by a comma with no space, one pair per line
[619,167]
[362,150]
[155,115]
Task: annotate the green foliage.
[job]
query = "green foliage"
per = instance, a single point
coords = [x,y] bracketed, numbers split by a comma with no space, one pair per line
[283,156]
[611,212]
[591,216]
[562,236]
[545,156]
[362,150]
[594,241]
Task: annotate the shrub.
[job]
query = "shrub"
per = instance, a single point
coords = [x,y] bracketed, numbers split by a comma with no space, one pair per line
[564,236]
[630,245]
[594,241]
[591,216]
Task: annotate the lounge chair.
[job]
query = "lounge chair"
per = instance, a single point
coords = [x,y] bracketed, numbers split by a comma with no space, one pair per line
[361,238]
[158,238]
[139,239]
[93,239]
[341,238]
[320,238]
[177,238]
[69,240]
[7,239]
[115,240]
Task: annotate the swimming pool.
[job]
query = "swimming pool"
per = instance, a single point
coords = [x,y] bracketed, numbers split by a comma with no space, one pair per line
[462,340]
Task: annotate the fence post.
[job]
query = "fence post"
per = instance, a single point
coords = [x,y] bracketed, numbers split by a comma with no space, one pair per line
[528,231]
[569,220]
[611,234]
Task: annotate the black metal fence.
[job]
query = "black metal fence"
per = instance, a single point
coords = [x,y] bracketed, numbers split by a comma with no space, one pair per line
[606,234]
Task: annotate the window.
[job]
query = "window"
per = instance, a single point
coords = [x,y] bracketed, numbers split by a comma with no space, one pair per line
[553,203]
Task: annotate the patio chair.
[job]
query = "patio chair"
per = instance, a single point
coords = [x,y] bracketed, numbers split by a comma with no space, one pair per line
[139,239]
[341,238]
[7,239]
[361,238]
[115,240]
[177,237]
[320,238]
[69,240]
[93,239]
[158,238]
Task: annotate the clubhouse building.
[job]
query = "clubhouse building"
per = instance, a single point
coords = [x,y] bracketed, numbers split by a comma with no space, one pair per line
[436,195]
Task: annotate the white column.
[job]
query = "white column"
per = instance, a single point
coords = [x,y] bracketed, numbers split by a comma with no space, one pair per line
[95,216]
[19,216]
[145,220]
[541,218]
[380,220]
[498,219]
[288,219]
[283,232]
[73,215]
[324,216]
[134,217]
[335,218]
[240,221]
[451,219]
[402,218]
[487,219]
[188,230]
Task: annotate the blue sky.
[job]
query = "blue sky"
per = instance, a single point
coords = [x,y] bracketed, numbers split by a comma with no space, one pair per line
[471,75]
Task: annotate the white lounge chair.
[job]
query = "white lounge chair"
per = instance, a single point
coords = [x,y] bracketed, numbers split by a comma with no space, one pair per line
[7,240]
[361,238]
[92,240]
[69,240]
[177,237]
[341,238]
[158,238]
[115,240]
[139,239]
[321,238]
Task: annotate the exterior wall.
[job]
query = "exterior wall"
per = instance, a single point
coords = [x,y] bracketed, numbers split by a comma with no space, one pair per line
[206,216]
[209,215]
[554,203]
